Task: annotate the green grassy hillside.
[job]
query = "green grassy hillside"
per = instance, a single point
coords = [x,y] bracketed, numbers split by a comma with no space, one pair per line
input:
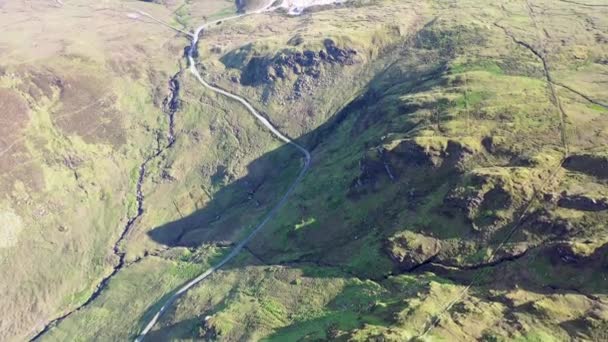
[82,92]
[458,188]
[455,158]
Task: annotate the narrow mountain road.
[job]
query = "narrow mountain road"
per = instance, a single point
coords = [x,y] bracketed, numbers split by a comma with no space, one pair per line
[237,249]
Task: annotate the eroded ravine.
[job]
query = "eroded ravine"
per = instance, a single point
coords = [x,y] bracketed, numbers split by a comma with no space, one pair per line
[170,107]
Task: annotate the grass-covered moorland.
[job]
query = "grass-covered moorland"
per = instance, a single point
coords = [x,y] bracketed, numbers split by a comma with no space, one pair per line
[458,188]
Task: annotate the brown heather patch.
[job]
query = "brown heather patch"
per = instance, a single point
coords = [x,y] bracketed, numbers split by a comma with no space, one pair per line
[123,66]
[158,80]
[13,114]
[45,81]
[17,165]
[37,84]
[15,161]
[88,110]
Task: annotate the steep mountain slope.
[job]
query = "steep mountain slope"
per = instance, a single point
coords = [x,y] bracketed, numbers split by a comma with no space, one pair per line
[456,159]
[458,188]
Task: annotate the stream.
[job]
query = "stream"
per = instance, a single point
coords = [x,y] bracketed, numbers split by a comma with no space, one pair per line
[170,107]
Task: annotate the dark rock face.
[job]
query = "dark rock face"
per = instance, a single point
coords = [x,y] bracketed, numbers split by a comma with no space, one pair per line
[370,168]
[592,165]
[478,202]
[261,70]
[410,253]
[370,171]
[336,55]
[567,253]
[416,155]
[488,144]
[409,152]
[408,155]
[542,223]
[207,331]
[582,202]
[468,204]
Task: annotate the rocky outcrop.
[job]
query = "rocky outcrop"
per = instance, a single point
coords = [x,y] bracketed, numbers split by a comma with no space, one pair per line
[565,253]
[593,165]
[334,54]
[479,202]
[371,167]
[398,159]
[494,196]
[430,152]
[543,223]
[579,254]
[410,250]
[264,69]
[207,331]
[582,202]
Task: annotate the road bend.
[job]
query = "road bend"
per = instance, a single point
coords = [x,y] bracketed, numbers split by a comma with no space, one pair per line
[307,158]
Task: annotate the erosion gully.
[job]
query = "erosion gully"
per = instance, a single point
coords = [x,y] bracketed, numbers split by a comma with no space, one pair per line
[170,107]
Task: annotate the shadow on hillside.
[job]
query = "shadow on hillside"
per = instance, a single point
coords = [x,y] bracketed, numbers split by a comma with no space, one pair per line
[236,206]
[250,198]
[268,177]
[241,204]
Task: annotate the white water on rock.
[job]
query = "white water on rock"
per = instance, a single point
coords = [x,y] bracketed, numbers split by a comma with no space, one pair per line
[296,7]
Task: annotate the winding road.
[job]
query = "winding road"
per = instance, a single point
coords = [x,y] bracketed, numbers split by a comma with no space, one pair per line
[271,213]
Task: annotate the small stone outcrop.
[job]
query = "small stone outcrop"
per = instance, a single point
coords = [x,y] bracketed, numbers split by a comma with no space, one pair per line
[479,200]
[267,69]
[432,152]
[582,202]
[425,156]
[543,223]
[410,250]
[578,254]
[590,164]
